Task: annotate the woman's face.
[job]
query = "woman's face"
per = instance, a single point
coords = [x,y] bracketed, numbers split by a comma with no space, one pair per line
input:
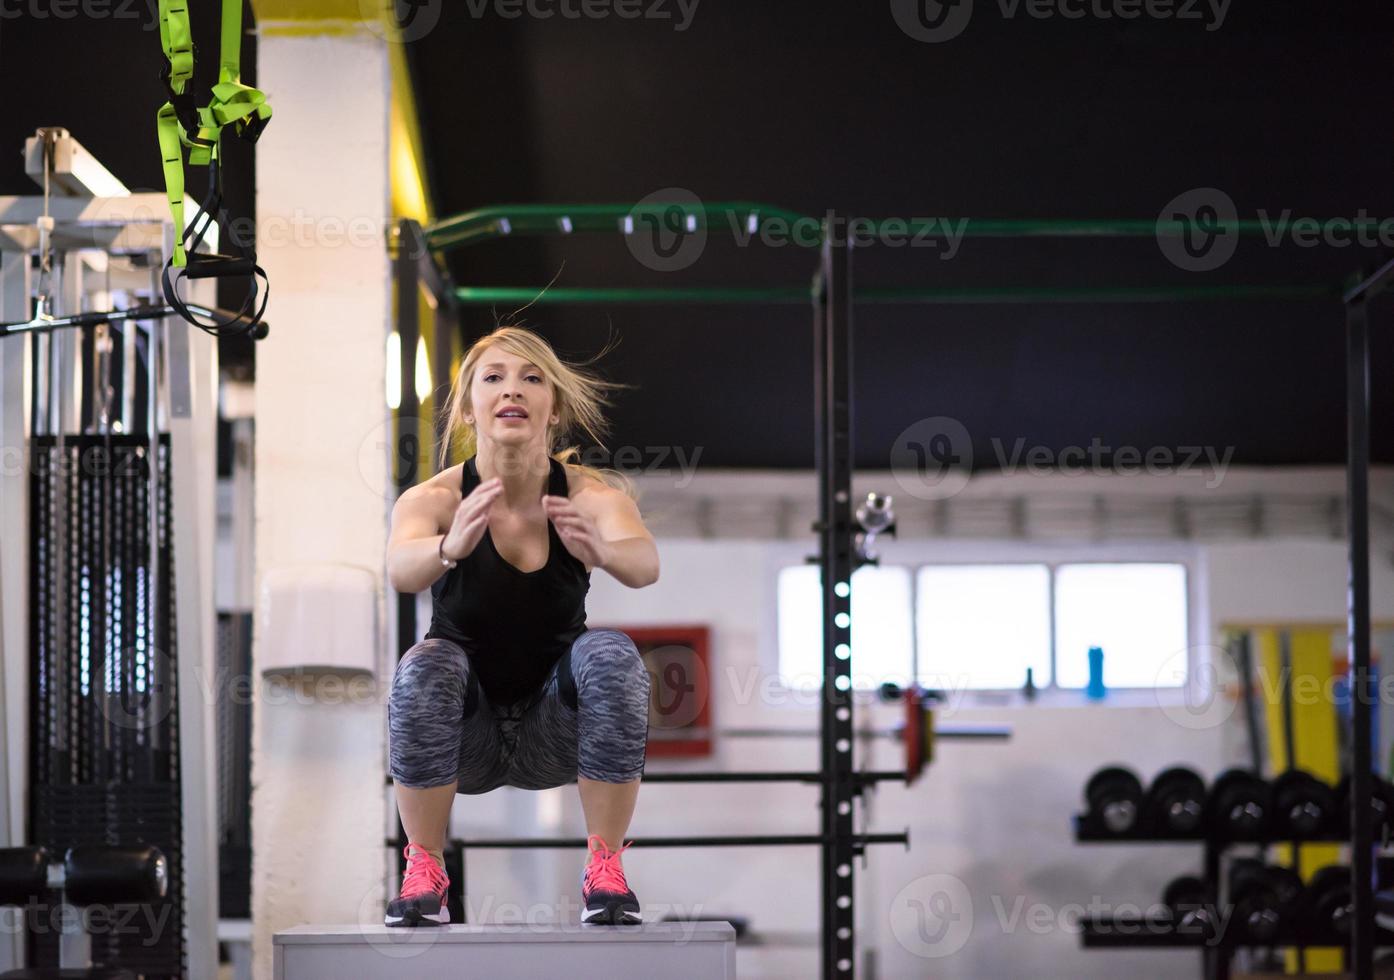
[511,400]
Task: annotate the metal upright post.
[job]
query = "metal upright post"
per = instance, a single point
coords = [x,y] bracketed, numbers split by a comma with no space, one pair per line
[406,277]
[833,452]
[1358,631]
[187,398]
[406,438]
[15,394]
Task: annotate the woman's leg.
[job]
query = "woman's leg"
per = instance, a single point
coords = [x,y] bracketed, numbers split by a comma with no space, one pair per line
[591,725]
[442,739]
[608,808]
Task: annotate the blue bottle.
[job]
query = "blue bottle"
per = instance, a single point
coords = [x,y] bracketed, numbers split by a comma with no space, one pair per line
[1095,690]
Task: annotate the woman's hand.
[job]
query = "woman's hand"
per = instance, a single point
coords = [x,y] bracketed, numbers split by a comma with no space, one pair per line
[471,520]
[578,532]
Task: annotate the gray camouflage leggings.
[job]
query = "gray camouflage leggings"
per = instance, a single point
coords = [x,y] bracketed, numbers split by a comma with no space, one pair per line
[590,718]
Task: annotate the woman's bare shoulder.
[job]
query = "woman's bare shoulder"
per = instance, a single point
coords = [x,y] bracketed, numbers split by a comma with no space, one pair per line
[578,480]
[440,491]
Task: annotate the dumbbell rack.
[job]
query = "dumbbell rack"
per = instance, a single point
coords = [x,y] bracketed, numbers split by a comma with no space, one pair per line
[1139,931]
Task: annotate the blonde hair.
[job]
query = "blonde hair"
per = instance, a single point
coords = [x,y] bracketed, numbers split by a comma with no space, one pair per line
[579,397]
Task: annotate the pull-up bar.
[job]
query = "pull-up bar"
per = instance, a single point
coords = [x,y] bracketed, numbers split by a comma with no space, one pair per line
[750,218]
[503,220]
[802,296]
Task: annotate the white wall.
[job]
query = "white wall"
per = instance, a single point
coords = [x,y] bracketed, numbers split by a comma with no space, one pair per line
[322,484]
[1292,581]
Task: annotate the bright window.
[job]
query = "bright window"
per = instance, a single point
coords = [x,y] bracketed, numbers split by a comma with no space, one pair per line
[881,626]
[1135,613]
[982,626]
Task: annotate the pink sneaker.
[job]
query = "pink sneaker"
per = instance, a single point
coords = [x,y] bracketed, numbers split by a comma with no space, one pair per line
[604,892]
[422,901]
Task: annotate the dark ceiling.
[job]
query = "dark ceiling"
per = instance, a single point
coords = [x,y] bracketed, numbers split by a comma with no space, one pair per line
[829,105]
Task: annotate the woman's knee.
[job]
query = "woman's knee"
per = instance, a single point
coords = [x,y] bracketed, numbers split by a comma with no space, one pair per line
[609,660]
[433,676]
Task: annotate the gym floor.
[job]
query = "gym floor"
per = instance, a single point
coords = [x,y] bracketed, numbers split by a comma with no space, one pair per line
[1087,441]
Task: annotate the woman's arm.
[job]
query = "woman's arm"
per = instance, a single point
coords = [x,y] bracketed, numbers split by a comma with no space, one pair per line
[413,562]
[601,527]
[629,552]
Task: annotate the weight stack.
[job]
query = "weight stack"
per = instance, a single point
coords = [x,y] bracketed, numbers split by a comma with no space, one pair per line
[234,767]
[103,718]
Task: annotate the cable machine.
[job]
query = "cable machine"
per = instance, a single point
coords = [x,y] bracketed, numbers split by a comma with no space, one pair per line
[108,408]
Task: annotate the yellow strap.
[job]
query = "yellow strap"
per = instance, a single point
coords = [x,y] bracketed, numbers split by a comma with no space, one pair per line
[177,39]
[172,154]
[231,103]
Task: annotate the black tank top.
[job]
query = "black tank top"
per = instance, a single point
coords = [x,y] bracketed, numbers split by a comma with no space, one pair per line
[514,625]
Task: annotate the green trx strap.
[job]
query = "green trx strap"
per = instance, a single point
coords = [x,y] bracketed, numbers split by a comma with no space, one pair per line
[183,126]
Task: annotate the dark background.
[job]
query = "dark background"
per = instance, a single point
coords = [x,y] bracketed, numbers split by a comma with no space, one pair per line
[828,105]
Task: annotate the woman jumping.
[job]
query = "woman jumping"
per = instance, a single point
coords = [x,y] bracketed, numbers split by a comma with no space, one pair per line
[510,688]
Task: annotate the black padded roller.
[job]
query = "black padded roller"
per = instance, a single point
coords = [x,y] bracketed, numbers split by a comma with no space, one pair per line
[97,875]
[23,874]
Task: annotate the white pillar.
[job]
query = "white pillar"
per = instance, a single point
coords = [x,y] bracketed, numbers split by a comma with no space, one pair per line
[322,482]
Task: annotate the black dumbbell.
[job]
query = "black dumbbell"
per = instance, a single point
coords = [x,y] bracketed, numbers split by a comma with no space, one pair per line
[1240,805]
[1265,898]
[1381,806]
[1330,903]
[1303,805]
[1191,905]
[1176,801]
[1114,798]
